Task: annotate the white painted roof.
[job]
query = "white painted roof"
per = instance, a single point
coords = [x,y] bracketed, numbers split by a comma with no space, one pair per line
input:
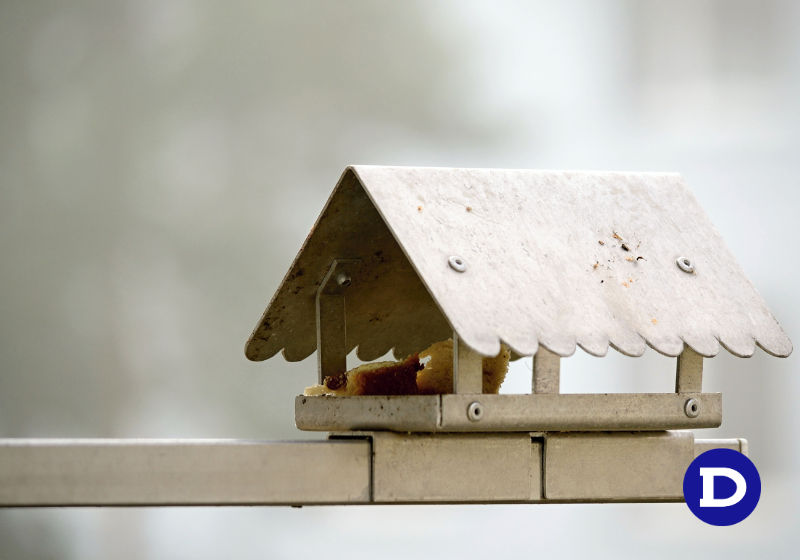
[552,257]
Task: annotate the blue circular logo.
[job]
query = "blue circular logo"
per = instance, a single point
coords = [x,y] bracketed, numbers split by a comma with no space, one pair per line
[721,487]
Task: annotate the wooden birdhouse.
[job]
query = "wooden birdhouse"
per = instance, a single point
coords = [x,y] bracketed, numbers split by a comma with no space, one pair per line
[459,270]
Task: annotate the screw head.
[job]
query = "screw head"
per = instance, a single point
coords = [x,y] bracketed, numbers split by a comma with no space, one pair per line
[343,279]
[475,411]
[692,408]
[457,263]
[685,264]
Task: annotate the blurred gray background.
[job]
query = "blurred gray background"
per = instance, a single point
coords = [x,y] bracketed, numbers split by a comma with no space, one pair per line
[162,161]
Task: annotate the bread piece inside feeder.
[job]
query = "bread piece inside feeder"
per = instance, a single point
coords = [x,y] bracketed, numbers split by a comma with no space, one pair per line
[429,372]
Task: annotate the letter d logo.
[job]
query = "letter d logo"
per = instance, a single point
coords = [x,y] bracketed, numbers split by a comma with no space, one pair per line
[721,487]
[708,499]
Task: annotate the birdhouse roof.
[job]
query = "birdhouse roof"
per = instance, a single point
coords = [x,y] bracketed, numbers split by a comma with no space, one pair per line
[557,258]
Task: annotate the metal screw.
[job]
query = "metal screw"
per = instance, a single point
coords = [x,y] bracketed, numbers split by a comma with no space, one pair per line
[692,408]
[343,279]
[685,264]
[474,411]
[457,263]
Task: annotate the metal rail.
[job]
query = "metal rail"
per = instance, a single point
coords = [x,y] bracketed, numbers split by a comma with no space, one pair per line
[366,468]
[119,472]
[511,413]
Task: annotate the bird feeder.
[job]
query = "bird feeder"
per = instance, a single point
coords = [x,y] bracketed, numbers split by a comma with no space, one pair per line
[539,262]
[485,265]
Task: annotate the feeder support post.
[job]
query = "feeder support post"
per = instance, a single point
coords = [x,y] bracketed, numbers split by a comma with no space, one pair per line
[546,371]
[467,368]
[331,318]
[689,374]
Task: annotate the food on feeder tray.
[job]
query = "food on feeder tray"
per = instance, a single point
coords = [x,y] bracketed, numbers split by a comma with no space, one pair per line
[437,376]
[431,375]
[380,378]
[495,369]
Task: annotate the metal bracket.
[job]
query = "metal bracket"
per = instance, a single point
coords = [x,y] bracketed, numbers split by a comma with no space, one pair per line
[331,317]
[467,368]
[510,413]
[546,371]
[689,374]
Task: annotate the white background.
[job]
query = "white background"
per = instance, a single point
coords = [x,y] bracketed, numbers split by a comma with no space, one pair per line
[162,161]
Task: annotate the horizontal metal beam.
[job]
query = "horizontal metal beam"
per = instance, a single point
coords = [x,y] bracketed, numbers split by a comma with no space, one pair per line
[359,468]
[471,468]
[605,467]
[97,472]
[419,413]
[581,412]
[511,413]
[735,444]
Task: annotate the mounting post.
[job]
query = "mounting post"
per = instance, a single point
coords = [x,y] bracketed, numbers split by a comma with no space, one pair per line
[689,374]
[546,371]
[467,368]
[331,318]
